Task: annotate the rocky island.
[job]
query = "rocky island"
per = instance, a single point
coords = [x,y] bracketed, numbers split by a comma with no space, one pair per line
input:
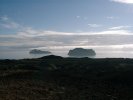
[36,51]
[80,52]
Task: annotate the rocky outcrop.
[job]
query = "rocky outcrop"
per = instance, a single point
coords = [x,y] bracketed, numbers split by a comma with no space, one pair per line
[36,51]
[80,52]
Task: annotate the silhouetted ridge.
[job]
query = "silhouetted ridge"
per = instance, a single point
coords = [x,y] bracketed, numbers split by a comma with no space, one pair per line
[52,57]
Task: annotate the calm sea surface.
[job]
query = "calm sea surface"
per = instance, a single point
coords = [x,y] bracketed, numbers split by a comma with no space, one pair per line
[100,54]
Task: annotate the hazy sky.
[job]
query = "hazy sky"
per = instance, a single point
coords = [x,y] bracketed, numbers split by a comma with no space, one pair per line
[26,24]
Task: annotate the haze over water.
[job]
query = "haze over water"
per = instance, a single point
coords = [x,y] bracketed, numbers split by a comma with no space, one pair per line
[100,54]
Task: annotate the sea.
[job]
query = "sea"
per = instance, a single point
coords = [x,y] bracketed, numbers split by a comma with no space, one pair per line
[24,54]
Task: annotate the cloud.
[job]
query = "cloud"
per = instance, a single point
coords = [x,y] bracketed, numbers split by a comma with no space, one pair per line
[27,38]
[37,38]
[7,23]
[82,17]
[77,17]
[114,32]
[121,46]
[10,25]
[29,32]
[94,25]
[85,18]
[111,17]
[123,1]
[120,27]
[4,18]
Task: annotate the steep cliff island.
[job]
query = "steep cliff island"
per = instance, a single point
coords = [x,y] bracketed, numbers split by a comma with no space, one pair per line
[36,51]
[80,52]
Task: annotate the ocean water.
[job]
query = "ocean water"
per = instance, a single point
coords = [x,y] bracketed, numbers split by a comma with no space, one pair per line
[99,54]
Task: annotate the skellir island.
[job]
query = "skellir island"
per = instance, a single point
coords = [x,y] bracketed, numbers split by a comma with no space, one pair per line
[81,52]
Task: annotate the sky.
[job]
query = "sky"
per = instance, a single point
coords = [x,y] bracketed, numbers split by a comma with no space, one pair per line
[57,24]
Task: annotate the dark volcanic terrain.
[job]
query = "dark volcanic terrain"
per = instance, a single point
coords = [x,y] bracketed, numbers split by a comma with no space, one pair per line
[56,78]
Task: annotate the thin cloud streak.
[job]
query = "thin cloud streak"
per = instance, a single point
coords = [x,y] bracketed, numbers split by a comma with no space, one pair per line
[94,25]
[120,27]
[123,1]
[26,33]
[34,38]
[7,23]
[112,17]
[29,32]
[4,18]
[10,25]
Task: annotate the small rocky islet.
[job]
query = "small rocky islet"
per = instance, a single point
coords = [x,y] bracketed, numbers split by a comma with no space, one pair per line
[76,52]
[36,51]
[80,52]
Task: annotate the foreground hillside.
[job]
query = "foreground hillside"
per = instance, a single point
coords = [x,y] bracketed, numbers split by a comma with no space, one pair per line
[57,78]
